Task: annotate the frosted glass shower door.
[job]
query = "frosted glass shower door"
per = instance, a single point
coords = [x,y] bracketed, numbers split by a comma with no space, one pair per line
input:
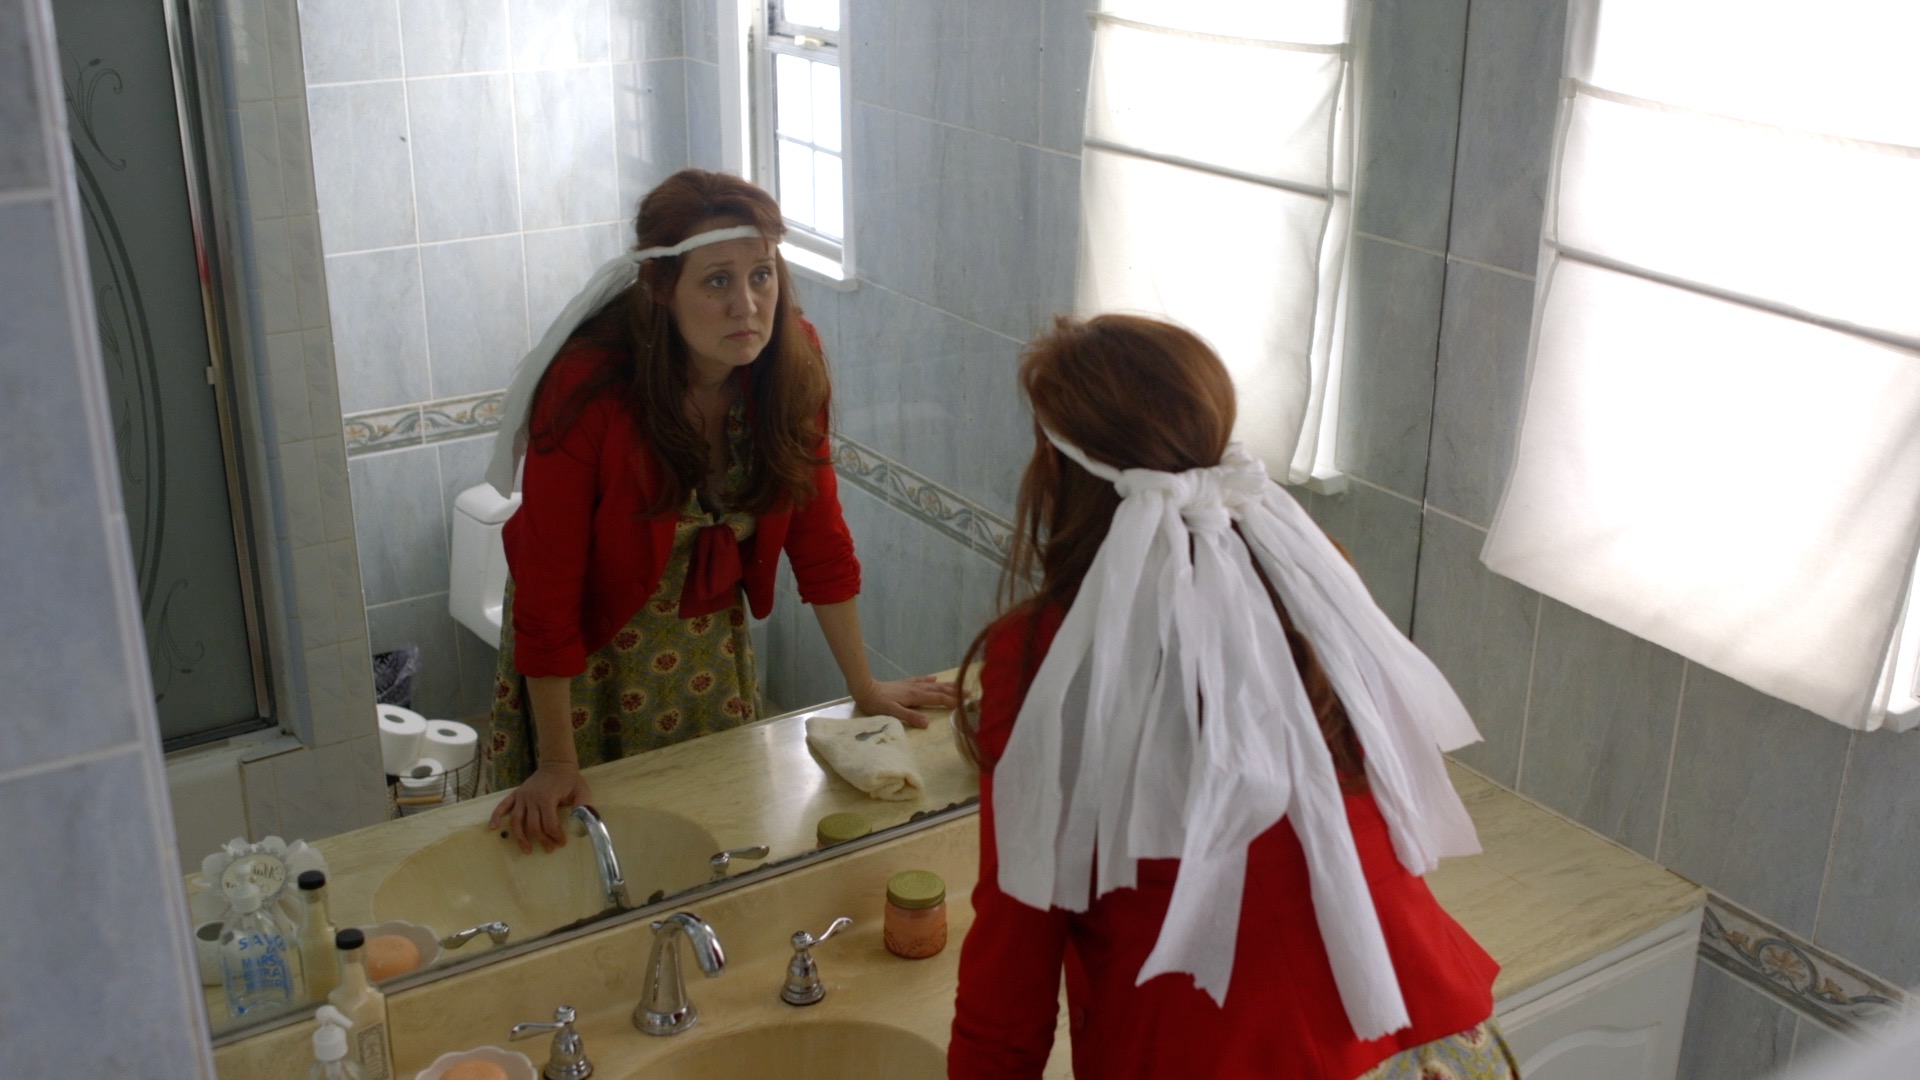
[118,75]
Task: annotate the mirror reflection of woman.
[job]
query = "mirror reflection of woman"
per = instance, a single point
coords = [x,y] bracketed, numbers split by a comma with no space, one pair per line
[1211,767]
[674,448]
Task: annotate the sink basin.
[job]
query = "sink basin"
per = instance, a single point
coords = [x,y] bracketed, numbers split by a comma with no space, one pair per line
[820,1050]
[478,875]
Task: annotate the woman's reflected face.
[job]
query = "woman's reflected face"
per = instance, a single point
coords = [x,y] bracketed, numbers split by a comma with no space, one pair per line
[724,303]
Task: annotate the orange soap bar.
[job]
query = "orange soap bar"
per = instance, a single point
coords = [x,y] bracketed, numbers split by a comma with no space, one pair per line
[389,955]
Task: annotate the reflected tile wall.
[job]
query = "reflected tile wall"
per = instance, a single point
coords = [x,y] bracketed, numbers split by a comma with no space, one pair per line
[462,144]
[476,302]
[473,163]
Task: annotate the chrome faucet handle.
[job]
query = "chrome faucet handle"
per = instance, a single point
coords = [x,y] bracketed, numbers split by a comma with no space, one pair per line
[664,1008]
[803,985]
[568,1058]
[720,861]
[586,821]
[496,930]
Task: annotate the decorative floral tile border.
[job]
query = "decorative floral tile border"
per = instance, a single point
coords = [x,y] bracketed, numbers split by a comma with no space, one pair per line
[428,422]
[946,510]
[1807,978]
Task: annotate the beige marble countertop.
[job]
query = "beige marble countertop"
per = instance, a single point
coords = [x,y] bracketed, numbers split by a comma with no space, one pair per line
[755,784]
[1544,896]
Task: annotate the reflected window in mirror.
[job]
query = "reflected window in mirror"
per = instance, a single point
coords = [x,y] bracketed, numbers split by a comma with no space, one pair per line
[796,118]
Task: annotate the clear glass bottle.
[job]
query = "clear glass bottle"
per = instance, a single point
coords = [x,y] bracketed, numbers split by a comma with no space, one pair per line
[319,960]
[257,967]
[363,1005]
[916,921]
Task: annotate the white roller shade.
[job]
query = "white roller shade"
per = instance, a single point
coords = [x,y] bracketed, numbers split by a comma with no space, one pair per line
[1216,183]
[1720,449]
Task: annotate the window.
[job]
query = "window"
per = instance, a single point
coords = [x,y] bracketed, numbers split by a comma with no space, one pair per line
[1718,450]
[796,142]
[1235,228]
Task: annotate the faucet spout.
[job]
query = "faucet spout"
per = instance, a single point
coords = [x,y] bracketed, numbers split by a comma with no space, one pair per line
[664,1008]
[587,822]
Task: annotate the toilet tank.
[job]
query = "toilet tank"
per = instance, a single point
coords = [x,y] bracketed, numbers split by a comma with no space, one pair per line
[477,577]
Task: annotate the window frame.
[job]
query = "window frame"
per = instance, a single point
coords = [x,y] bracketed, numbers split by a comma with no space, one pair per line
[764,34]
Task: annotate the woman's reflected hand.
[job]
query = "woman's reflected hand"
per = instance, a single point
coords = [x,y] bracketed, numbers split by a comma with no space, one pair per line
[902,697]
[537,809]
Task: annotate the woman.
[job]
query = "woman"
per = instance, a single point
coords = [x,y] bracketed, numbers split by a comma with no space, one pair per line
[1202,748]
[674,447]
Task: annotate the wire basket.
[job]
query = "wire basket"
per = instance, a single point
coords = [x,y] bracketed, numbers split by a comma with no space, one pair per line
[411,795]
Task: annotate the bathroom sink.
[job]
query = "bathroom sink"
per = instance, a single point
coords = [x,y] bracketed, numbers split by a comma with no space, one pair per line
[819,1050]
[478,875]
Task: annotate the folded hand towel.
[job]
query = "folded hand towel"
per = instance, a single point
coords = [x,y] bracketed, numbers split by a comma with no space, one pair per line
[869,752]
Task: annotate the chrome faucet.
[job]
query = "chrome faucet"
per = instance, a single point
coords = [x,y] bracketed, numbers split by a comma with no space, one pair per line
[496,932]
[587,822]
[720,862]
[568,1058]
[803,986]
[664,1008]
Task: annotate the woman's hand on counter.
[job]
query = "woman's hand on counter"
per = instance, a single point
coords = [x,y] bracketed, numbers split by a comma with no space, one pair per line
[902,697]
[536,810]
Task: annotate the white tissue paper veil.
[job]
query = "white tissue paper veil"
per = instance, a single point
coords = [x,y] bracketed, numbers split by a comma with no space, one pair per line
[613,278]
[1109,753]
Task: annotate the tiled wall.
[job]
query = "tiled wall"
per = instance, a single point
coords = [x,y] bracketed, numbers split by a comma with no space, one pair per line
[966,201]
[329,780]
[93,931]
[473,163]
[1805,833]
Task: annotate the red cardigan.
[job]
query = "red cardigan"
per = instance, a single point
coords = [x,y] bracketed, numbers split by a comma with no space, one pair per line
[585,552]
[1282,1017]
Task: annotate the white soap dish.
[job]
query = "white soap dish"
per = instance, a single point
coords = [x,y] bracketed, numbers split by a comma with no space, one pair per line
[517,1066]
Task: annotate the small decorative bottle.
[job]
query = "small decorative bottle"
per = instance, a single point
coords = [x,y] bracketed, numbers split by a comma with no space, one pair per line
[319,961]
[256,966]
[363,1005]
[916,922]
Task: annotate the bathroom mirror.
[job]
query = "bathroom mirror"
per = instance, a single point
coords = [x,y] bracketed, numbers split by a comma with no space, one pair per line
[421,251]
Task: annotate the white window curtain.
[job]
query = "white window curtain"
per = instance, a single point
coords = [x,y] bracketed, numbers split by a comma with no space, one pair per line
[1720,449]
[1215,190]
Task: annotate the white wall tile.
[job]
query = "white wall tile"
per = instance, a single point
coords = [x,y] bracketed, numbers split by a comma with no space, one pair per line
[350,40]
[449,37]
[463,156]
[566,160]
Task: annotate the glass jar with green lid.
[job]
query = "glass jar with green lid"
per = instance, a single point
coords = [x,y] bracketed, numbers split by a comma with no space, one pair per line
[840,828]
[916,922]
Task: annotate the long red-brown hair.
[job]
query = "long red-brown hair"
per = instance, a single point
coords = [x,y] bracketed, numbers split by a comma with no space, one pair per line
[648,361]
[1134,393]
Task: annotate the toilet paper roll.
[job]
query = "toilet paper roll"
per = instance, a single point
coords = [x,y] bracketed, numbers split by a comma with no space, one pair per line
[424,777]
[402,732]
[450,742]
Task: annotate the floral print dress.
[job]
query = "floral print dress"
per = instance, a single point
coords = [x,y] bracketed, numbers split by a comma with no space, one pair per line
[1479,1053]
[662,679]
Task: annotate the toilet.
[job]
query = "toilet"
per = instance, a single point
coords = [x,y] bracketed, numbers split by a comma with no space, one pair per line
[478,573]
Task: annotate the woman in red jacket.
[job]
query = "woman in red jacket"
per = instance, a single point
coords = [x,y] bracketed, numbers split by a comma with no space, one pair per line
[673,428]
[1211,768]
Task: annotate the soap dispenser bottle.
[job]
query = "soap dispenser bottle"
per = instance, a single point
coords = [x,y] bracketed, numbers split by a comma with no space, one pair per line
[364,1005]
[330,1060]
[256,959]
